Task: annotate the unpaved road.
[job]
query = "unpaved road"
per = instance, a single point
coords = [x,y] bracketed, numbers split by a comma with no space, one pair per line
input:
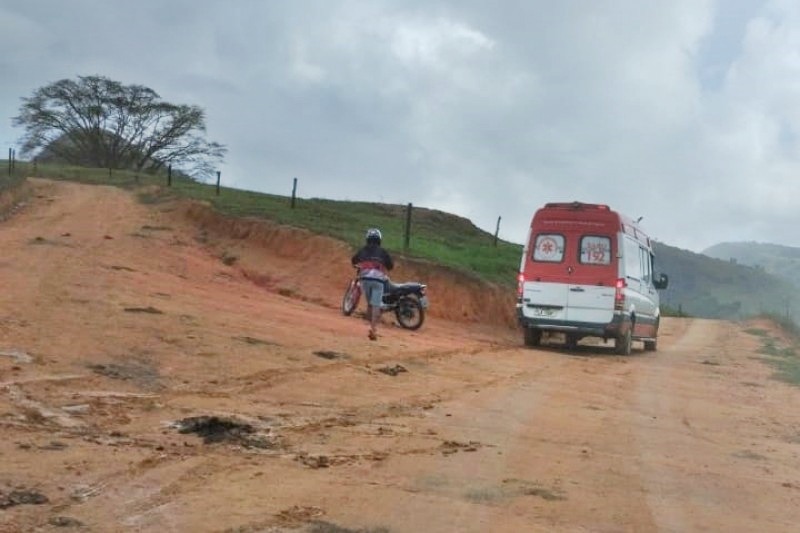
[118,320]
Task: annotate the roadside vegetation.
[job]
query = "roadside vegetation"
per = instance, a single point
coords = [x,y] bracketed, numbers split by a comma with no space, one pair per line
[8,182]
[782,355]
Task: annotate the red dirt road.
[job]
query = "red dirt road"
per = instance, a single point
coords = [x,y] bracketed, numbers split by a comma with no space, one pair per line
[118,320]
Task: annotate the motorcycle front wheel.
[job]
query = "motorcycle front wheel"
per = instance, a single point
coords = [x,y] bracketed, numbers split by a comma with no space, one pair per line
[410,313]
[351,296]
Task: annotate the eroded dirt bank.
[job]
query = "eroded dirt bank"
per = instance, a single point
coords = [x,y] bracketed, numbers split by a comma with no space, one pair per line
[145,385]
[296,262]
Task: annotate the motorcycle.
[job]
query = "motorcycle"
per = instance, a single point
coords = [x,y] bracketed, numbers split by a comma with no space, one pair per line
[407,300]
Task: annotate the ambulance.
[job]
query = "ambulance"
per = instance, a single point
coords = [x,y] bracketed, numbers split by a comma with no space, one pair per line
[587,271]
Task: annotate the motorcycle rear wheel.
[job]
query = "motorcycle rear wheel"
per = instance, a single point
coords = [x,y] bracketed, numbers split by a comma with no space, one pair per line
[351,296]
[409,312]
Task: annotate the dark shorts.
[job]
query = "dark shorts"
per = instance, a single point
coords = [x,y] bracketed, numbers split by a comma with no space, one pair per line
[373,291]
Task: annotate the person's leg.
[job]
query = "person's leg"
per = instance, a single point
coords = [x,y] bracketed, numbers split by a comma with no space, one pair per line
[377,304]
[374,291]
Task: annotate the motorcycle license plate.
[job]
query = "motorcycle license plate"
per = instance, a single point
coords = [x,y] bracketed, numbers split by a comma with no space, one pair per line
[423,301]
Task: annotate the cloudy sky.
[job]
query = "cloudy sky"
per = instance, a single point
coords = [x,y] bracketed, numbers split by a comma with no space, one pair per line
[684,112]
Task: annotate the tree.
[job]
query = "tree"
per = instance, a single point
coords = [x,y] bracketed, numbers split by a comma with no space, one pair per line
[95,121]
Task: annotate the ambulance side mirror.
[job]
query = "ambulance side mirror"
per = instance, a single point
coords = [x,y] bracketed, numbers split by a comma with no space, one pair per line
[661,282]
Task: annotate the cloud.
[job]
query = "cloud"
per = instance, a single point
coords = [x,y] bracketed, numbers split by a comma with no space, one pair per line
[683,112]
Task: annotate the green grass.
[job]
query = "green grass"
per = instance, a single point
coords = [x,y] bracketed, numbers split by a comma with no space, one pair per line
[787,325]
[8,181]
[782,357]
[435,236]
[758,332]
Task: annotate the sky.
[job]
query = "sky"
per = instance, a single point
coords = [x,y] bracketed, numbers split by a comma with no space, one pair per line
[685,113]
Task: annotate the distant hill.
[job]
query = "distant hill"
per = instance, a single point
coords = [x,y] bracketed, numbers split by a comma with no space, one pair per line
[707,287]
[781,261]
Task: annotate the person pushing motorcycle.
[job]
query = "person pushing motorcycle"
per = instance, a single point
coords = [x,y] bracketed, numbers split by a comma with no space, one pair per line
[373,263]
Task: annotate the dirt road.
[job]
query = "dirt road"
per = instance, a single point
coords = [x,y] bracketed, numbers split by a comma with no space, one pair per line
[148,385]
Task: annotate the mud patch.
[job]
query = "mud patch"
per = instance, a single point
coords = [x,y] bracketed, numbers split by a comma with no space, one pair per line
[21,497]
[54,446]
[450,447]
[326,527]
[298,515]
[329,354]
[229,259]
[42,240]
[215,429]
[255,341]
[314,461]
[149,309]
[393,370]
[520,487]
[65,521]
[141,374]
[147,227]
[747,454]
[121,267]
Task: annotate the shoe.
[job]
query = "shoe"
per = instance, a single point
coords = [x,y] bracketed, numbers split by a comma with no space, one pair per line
[372,335]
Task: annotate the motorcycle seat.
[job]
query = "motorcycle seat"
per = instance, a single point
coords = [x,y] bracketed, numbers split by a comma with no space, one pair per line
[397,287]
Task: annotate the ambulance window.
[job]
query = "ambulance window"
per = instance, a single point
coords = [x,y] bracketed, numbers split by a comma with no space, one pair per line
[646,266]
[549,248]
[595,250]
[633,259]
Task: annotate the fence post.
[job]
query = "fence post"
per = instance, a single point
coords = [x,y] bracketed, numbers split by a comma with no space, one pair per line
[497,231]
[407,241]
[169,176]
[35,170]
[13,161]
[109,173]
[294,191]
[219,173]
[9,161]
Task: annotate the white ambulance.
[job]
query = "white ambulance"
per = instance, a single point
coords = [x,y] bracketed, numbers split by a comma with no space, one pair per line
[587,270]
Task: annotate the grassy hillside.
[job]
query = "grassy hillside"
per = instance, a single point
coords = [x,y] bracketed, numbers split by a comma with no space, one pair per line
[781,261]
[435,236]
[707,287]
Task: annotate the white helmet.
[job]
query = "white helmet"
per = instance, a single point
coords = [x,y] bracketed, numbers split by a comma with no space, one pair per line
[374,235]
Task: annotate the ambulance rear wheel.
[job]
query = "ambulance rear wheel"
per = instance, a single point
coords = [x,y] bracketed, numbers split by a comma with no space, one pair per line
[533,337]
[623,343]
[571,341]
